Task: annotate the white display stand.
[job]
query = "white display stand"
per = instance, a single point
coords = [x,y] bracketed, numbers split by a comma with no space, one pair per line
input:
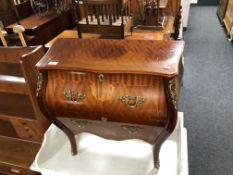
[98,156]
[185,12]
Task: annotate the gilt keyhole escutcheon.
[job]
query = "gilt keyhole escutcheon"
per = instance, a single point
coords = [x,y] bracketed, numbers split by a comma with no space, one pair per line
[101,78]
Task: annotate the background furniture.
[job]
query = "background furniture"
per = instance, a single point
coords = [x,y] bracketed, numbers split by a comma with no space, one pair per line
[228,19]
[154,13]
[104,17]
[10,12]
[7,14]
[129,87]
[173,9]
[21,124]
[222,7]
[44,28]
[18,36]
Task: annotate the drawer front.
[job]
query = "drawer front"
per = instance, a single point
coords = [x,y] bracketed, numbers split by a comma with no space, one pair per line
[72,94]
[19,128]
[136,99]
[12,170]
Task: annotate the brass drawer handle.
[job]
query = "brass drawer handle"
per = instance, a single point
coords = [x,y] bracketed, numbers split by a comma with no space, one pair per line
[132,101]
[74,96]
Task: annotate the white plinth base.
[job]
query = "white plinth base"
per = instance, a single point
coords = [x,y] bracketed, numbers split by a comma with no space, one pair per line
[98,156]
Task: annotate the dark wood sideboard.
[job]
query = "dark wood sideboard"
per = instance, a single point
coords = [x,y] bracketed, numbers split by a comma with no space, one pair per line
[117,89]
[44,28]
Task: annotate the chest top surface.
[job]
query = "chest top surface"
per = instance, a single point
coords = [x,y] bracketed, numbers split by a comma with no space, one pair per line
[114,56]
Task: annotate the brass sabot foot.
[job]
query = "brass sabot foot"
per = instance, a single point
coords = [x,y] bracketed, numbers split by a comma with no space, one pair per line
[157,164]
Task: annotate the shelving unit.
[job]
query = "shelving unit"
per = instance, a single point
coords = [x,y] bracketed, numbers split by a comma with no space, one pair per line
[21,129]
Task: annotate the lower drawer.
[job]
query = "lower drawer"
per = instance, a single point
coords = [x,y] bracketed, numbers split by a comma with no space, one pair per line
[12,170]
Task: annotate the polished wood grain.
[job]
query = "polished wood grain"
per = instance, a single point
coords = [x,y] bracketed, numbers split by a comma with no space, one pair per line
[23,108]
[28,62]
[117,89]
[116,56]
[12,55]
[12,84]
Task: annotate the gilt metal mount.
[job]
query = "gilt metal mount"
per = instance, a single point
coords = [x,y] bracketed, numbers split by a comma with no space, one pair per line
[132,101]
[39,83]
[172,92]
[131,129]
[74,96]
[81,123]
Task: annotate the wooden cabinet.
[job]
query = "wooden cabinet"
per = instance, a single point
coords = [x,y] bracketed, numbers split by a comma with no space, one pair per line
[7,15]
[222,9]
[117,89]
[228,19]
[21,124]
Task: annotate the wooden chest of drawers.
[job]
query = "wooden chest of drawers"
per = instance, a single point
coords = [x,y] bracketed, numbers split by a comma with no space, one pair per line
[117,89]
[21,124]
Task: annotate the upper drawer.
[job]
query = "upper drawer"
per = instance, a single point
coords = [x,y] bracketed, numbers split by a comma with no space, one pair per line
[138,99]
[72,94]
